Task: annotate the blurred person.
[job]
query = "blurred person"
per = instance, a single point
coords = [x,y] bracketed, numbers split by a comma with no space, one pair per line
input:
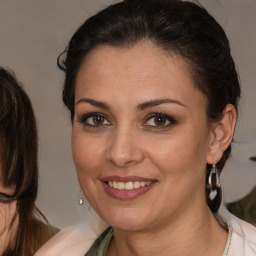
[23,228]
[245,208]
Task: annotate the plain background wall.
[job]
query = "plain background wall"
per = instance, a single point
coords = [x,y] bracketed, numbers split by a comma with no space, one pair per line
[34,32]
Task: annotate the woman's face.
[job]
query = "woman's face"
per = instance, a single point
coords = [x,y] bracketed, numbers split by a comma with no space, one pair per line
[140,136]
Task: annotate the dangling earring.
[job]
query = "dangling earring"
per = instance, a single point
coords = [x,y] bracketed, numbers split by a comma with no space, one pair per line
[213,182]
[81,200]
[213,189]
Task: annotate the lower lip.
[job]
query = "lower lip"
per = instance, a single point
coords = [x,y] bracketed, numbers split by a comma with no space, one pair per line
[123,194]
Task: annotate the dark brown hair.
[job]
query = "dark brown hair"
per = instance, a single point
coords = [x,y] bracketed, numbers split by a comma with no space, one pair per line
[181,27]
[18,151]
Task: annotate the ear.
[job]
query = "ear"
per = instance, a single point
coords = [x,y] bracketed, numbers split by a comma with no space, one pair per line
[221,134]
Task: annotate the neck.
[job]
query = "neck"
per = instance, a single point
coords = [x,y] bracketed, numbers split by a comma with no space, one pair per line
[196,233]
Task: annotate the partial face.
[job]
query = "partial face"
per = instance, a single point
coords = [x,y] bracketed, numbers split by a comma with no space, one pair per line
[8,228]
[140,136]
[7,190]
[3,189]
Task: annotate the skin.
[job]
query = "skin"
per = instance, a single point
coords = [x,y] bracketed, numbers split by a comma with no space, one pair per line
[173,212]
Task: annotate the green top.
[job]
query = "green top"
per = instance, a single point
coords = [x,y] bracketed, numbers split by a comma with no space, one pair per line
[101,244]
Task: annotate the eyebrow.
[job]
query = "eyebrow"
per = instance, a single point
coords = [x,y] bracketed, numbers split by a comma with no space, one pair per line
[157,102]
[94,103]
[140,107]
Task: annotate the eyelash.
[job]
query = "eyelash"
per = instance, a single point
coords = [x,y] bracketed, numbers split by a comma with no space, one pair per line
[170,119]
[84,120]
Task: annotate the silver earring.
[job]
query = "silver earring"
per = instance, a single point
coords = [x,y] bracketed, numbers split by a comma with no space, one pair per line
[213,189]
[213,182]
[81,200]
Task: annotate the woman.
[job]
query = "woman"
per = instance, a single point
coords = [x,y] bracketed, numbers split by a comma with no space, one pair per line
[21,231]
[153,95]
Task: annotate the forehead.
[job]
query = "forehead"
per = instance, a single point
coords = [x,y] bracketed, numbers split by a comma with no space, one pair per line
[143,69]
[143,58]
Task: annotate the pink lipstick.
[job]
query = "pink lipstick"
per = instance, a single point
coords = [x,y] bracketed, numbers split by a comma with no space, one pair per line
[125,188]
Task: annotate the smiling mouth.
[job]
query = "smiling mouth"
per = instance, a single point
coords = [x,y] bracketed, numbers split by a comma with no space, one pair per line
[128,185]
[127,188]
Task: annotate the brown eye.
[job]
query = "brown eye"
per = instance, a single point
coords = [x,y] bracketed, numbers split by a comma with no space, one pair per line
[160,121]
[98,120]
[94,120]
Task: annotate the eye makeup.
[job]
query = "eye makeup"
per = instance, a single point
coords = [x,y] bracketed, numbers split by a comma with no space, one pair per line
[94,120]
[159,120]
[4,198]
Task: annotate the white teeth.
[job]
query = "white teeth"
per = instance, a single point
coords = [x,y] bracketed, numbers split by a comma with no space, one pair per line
[128,185]
[136,184]
[120,185]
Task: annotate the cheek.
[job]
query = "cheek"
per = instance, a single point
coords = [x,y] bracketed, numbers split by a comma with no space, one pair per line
[179,154]
[87,154]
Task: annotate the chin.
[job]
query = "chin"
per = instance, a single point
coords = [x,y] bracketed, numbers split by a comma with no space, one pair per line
[127,219]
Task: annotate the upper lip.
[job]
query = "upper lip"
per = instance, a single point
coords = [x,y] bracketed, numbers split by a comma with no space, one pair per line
[126,179]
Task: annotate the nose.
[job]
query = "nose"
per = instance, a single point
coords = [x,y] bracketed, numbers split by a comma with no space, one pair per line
[125,148]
